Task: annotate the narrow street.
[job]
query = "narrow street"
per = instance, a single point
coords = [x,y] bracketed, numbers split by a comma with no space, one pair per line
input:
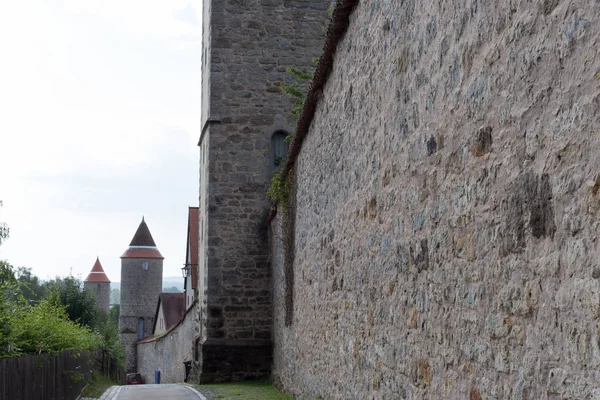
[152,392]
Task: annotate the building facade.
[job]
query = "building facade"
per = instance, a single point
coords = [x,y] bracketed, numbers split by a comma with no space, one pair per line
[247,47]
[141,283]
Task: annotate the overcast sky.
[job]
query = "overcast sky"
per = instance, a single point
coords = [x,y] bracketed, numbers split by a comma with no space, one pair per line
[99,120]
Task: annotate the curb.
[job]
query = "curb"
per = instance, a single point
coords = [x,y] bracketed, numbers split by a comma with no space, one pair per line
[195,391]
[111,393]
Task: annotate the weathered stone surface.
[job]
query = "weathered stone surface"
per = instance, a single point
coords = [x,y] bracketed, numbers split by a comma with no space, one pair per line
[248,46]
[236,360]
[462,270]
[101,293]
[139,295]
[169,352]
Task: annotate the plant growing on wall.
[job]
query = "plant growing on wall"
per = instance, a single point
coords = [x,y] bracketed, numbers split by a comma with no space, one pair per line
[296,90]
[279,191]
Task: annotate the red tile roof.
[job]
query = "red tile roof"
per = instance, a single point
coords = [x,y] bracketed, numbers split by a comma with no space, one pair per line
[164,334]
[173,306]
[142,245]
[193,242]
[97,275]
[142,253]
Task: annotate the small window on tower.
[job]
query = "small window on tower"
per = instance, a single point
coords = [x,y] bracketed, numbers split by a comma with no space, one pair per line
[140,328]
[279,148]
[145,265]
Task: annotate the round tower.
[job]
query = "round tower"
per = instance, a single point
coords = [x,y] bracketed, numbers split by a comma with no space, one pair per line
[99,285]
[141,283]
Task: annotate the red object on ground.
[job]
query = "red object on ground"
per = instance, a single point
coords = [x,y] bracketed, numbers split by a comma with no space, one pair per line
[133,379]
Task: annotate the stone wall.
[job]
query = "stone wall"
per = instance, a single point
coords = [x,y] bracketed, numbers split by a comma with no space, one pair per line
[101,293]
[168,352]
[448,208]
[248,46]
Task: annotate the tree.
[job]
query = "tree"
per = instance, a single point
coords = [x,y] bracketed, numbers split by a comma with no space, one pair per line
[53,316]
[31,287]
[7,295]
[4,231]
[45,328]
[7,272]
[114,313]
[26,329]
[107,328]
[50,317]
[79,304]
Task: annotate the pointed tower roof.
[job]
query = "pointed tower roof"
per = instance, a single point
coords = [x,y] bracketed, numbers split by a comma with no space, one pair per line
[97,275]
[142,236]
[142,245]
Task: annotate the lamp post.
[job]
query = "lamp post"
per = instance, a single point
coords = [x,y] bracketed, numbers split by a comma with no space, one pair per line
[187,268]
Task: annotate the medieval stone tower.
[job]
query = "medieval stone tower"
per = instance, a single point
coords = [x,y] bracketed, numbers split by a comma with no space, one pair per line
[99,285]
[247,47]
[141,282]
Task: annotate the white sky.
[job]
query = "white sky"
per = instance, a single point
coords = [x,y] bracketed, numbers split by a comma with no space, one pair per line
[99,120]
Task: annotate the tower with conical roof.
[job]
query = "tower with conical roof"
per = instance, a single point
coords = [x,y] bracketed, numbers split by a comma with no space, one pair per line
[141,283]
[99,285]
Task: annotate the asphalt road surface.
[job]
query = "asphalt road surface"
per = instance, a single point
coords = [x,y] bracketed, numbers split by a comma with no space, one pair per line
[152,392]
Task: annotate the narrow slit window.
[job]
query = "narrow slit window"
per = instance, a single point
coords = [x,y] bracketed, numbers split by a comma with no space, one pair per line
[279,148]
[140,328]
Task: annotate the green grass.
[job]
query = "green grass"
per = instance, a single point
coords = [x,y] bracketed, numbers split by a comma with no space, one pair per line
[242,391]
[97,386]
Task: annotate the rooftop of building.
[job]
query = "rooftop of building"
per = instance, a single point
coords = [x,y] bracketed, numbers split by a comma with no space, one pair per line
[142,245]
[97,274]
[173,306]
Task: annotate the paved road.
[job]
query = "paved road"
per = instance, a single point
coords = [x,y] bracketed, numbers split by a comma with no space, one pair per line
[152,392]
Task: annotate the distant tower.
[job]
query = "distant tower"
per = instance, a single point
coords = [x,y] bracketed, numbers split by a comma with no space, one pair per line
[141,283]
[99,285]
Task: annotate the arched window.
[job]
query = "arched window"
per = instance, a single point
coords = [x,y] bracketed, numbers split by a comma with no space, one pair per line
[140,328]
[279,148]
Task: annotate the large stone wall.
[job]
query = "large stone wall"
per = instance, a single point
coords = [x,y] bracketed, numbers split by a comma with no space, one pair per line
[168,352]
[248,46]
[448,208]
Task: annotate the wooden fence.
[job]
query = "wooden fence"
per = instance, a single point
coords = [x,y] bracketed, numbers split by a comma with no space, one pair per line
[58,376]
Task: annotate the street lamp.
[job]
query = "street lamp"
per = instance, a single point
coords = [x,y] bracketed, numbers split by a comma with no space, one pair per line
[185,271]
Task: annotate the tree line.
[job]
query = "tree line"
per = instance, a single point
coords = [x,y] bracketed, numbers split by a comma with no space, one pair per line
[52,316]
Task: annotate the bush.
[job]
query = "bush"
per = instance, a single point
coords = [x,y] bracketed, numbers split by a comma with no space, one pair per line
[46,328]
